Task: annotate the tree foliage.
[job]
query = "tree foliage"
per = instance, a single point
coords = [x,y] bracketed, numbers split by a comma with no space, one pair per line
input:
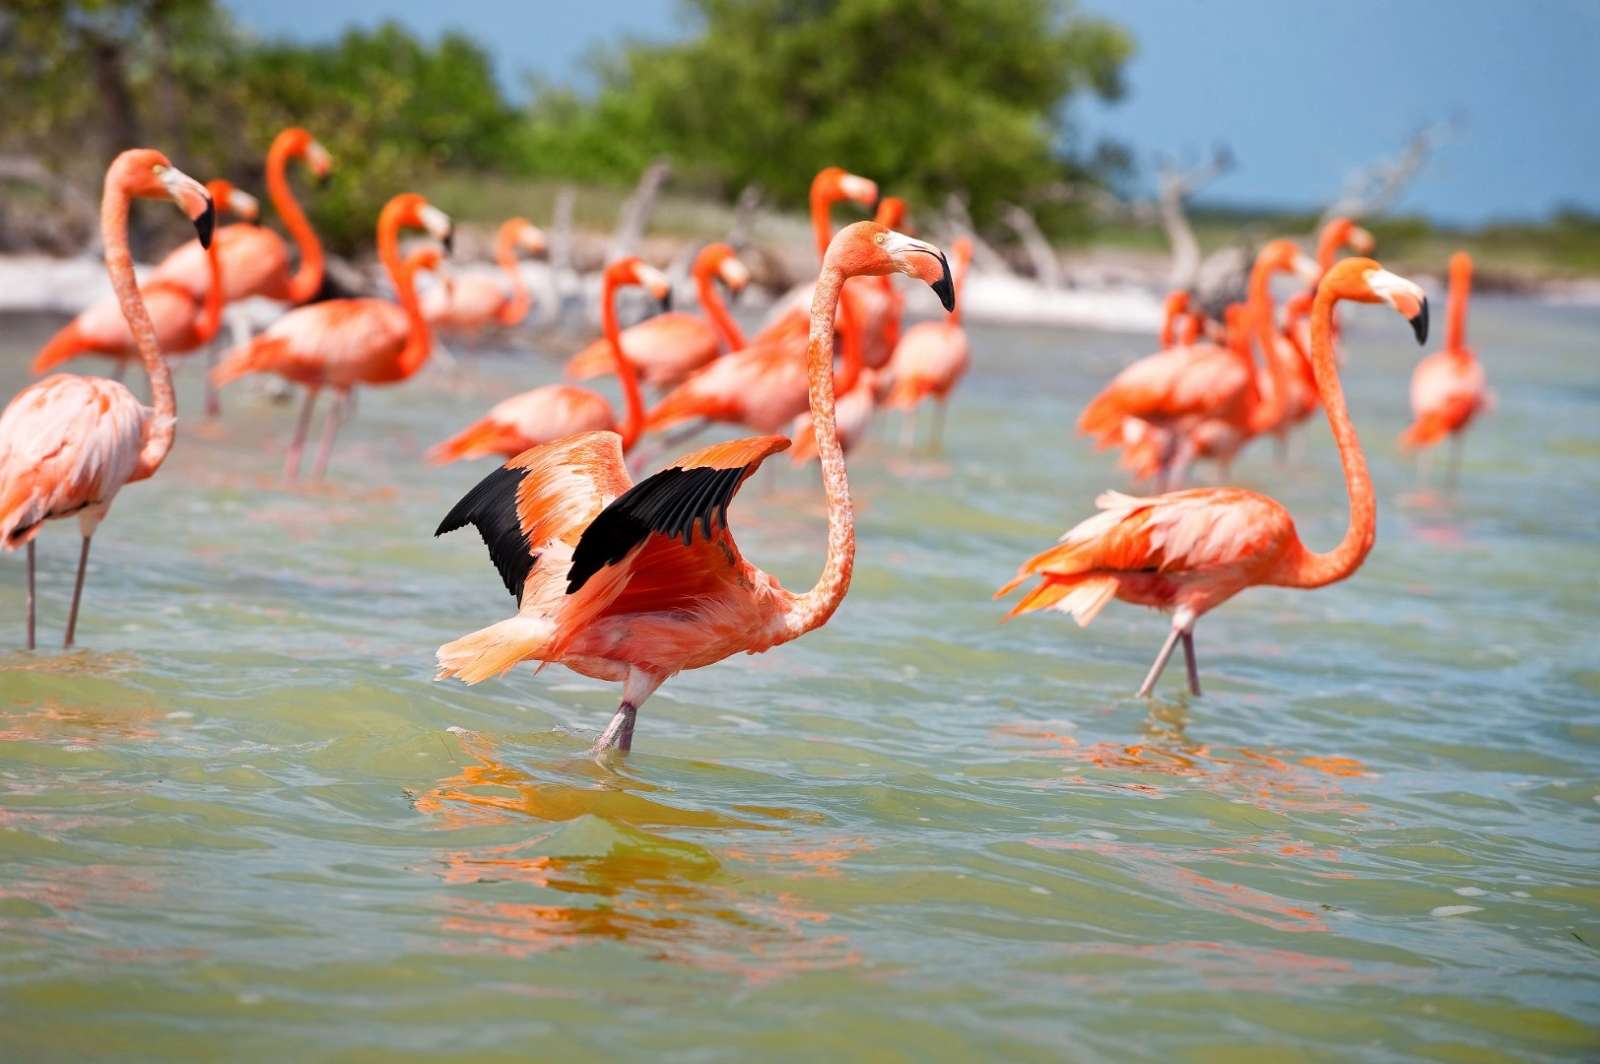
[928,96]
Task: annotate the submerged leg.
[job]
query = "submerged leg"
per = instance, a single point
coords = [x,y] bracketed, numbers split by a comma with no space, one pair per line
[330,429]
[1453,476]
[213,401]
[291,462]
[77,594]
[32,643]
[618,735]
[1160,664]
[1194,666]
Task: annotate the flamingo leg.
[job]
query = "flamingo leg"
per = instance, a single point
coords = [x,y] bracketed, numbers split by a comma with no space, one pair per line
[31,641]
[908,429]
[938,427]
[213,400]
[291,462]
[1193,665]
[77,593]
[1160,664]
[330,429]
[619,733]
[1453,471]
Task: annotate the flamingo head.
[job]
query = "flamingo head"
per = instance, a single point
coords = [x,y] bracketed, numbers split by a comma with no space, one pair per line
[632,270]
[719,260]
[527,236]
[1285,256]
[835,183]
[1366,281]
[891,212]
[425,259]
[870,248]
[1342,233]
[234,200]
[294,142]
[410,210]
[147,174]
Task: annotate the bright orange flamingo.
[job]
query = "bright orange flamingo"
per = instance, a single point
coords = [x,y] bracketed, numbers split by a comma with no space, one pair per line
[1300,400]
[1447,387]
[830,185]
[67,443]
[255,260]
[555,411]
[933,356]
[183,321]
[471,302]
[1191,551]
[667,348]
[341,343]
[636,582]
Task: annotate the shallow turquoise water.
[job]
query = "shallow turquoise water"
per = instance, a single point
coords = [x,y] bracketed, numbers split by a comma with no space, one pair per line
[242,821]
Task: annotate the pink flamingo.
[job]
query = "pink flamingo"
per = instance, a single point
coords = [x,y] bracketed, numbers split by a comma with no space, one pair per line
[669,347]
[933,356]
[1447,387]
[255,260]
[183,320]
[341,343]
[67,443]
[554,411]
[1191,551]
[473,301]
[636,582]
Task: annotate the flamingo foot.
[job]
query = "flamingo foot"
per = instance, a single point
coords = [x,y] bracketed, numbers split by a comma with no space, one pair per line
[618,735]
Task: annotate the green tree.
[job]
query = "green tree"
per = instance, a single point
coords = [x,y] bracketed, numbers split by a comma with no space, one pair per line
[926,96]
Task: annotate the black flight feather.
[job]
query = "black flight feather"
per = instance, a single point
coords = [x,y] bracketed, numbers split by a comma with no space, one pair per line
[492,507]
[668,503]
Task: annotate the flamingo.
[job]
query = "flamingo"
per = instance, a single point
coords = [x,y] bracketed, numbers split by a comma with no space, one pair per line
[68,443]
[636,582]
[1300,401]
[183,320]
[554,411]
[341,343]
[764,386]
[933,356]
[1191,551]
[1447,387]
[667,348]
[255,260]
[472,301]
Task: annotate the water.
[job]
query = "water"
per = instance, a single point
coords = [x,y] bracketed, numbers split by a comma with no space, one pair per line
[243,820]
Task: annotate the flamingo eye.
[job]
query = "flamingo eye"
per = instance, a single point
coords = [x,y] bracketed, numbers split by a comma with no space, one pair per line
[878,239]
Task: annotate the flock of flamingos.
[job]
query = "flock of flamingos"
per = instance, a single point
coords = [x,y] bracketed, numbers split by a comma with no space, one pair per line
[634,582]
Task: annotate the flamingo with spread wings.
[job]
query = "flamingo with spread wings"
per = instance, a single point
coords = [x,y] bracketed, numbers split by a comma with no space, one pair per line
[553,411]
[636,582]
[67,443]
[1191,551]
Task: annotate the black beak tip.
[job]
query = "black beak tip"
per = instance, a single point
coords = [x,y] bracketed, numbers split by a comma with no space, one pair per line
[450,242]
[945,287]
[1419,324]
[666,302]
[206,224]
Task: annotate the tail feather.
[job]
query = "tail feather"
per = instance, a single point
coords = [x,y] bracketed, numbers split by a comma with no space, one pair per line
[1102,419]
[490,651]
[478,440]
[907,391]
[64,346]
[1427,430]
[253,357]
[1081,596]
[682,405]
[591,362]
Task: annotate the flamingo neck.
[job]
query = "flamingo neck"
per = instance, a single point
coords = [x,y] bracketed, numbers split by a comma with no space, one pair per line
[419,342]
[162,428]
[812,609]
[822,202]
[1301,567]
[728,330]
[849,319]
[308,277]
[627,374]
[505,253]
[1455,330]
[1269,412]
[211,311]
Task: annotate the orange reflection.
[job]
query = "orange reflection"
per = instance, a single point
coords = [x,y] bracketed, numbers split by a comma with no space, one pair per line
[671,897]
[54,722]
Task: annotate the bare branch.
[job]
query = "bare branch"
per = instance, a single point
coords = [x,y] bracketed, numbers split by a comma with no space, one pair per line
[635,213]
[959,221]
[1174,186]
[1376,187]
[1046,268]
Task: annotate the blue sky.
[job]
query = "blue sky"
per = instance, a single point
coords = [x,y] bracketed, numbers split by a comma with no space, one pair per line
[1301,89]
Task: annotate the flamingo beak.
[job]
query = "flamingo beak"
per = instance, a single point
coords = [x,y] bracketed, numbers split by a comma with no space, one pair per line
[945,287]
[438,225]
[656,283]
[1305,267]
[1404,296]
[916,258]
[532,240]
[244,205]
[863,190]
[734,274]
[1419,323]
[1361,241]
[192,198]
[320,161]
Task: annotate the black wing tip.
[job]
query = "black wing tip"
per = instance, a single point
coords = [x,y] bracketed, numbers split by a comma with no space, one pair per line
[669,503]
[491,505]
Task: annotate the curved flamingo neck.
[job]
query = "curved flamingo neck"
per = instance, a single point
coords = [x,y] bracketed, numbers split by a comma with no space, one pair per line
[627,374]
[1304,568]
[308,277]
[728,330]
[812,609]
[1455,331]
[211,311]
[1333,237]
[822,200]
[1269,412]
[162,428]
[505,253]
[419,342]
[854,354]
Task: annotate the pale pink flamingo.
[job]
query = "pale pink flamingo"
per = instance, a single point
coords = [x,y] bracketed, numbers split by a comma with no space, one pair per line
[1191,551]
[67,443]
[669,347]
[554,411]
[468,303]
[636,582]
[1447,387]
[933,356]
[341,343]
